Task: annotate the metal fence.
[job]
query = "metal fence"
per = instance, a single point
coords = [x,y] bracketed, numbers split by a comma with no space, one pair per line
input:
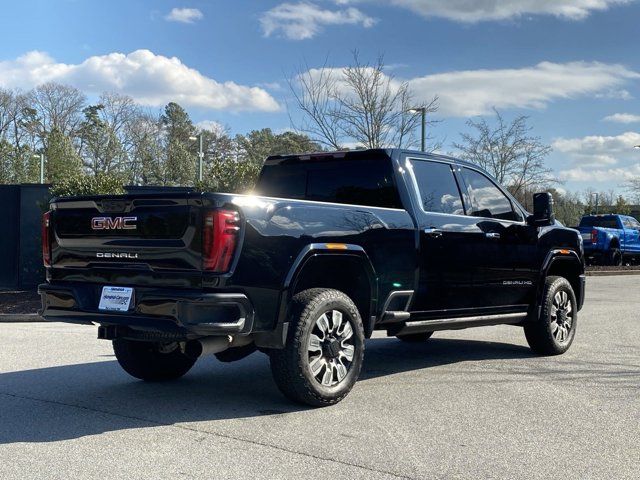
[21,208]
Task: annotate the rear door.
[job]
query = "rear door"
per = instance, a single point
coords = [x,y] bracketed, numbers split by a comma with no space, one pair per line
[445,261]
[631,235]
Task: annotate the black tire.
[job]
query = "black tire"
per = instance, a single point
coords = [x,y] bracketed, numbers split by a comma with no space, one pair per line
[291,366]
[415,337]
[614,257]
[554,331]
[150,361]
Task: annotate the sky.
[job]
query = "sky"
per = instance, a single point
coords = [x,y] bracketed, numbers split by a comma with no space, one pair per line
[572,66]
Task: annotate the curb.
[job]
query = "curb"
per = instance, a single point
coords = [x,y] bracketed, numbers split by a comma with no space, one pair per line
[607,273]
[20,318]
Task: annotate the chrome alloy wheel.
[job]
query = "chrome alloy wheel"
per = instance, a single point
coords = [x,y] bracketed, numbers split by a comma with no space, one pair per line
[331,348]
[561,317]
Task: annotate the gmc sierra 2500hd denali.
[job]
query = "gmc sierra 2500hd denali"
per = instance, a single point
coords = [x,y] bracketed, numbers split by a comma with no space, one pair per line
[332,247]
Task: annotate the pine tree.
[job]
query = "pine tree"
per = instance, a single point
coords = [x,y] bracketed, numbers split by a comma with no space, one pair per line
[61,159]
[180,168]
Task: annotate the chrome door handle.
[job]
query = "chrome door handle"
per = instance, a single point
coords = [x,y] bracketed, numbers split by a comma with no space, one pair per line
[433,232]
[493,235]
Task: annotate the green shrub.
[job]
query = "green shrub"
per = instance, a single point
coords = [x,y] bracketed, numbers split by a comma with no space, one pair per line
[230,177]
[80,184]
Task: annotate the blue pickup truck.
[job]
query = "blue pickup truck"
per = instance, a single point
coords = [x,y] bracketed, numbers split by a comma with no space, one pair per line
[610,239]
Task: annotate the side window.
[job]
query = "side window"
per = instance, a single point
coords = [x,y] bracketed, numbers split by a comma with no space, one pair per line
[635,224]
[627,222]
[487,200]
[437,187]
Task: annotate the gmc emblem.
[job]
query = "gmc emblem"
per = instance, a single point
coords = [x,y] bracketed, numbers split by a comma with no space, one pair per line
[114,223]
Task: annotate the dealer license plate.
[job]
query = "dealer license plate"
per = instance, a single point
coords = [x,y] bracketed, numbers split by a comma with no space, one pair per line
[115,299]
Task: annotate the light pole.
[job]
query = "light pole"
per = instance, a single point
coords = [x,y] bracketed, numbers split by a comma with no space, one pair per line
[200,153]
[423,112]
[41,157]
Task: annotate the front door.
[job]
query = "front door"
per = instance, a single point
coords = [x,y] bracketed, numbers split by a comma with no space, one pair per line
[504,246]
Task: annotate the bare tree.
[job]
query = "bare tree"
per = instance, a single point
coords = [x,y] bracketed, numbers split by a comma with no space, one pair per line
[633,187]
[54,107]
[314,92]
[360,104]
[509,152]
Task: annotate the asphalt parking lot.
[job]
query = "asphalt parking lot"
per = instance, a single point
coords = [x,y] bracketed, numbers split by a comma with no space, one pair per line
[468,404]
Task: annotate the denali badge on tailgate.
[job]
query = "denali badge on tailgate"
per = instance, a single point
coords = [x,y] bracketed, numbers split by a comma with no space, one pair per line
[114,223]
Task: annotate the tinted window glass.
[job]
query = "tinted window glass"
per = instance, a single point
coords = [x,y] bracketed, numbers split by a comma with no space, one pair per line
[602,222]
[360,181]
[486,199]
[437,187]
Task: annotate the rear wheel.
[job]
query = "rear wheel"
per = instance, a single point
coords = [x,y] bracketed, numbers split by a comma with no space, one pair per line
[152,361]
[324,351]
[615,257]
[415,337]
[554,331]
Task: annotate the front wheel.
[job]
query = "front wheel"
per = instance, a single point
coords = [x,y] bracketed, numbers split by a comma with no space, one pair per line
[554,331]
[324,351]
[151,361]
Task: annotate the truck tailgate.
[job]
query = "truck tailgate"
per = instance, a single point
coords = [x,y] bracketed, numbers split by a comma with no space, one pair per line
[152,234]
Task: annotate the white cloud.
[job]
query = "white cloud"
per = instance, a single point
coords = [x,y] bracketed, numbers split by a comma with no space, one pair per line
[184,15]
[471,11]
[602,175]
[594,157]
[151,79]
[301,21]
[475,92]
[211,126]
[622,118]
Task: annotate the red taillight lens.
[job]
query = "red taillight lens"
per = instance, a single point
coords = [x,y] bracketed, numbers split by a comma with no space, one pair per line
[46,241]
[219,239]
[594,236]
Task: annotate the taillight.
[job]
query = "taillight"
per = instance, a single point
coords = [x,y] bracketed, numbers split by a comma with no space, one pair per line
[46,241]
[594,236]
[219,239]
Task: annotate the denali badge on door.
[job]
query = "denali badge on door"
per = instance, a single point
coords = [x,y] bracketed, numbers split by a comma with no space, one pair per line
[115,299]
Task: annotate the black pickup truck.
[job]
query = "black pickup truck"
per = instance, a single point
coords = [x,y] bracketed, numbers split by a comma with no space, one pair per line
[331,247]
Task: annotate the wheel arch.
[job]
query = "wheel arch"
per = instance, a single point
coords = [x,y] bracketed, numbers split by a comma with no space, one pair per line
[341,267]
[614,242]
[566,264]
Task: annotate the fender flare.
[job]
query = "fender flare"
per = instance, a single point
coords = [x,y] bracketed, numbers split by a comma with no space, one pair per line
[314,250]
[555,255]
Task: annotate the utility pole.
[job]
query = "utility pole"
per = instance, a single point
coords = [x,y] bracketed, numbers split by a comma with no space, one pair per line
[41,157]
[200,153]
[423,112]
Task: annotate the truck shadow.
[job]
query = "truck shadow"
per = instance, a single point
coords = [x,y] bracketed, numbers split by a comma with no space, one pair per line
[72,401]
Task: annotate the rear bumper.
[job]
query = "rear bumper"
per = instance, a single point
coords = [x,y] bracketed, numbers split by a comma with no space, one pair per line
[181,312]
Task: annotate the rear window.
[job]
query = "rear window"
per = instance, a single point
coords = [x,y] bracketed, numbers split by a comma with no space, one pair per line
[602,222]
[361,181]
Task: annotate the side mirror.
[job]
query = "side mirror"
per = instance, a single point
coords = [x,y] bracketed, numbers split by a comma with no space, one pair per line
[542,210]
